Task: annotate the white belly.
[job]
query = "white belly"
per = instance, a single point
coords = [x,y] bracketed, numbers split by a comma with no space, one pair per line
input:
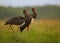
[32,20]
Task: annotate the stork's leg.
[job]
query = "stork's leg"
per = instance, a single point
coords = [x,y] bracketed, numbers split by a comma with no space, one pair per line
[11,28]
[28,28]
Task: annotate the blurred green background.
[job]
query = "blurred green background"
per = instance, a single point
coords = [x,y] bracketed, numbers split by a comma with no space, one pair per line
[44,29]
[47,11]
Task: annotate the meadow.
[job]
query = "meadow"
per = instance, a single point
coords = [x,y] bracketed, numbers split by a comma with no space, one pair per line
[41,31]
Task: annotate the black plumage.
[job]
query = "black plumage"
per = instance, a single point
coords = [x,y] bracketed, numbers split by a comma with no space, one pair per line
[15,21]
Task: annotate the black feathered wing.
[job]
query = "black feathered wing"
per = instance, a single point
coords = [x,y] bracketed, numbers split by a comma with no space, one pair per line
[16,21]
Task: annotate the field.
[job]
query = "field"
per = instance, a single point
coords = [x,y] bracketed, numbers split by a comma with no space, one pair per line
[41,31]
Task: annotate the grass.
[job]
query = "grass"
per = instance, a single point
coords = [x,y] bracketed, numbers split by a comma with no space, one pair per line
[41,31]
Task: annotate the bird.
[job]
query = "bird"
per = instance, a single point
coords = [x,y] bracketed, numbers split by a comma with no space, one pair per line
[16,21]
[34,15]
[29,19]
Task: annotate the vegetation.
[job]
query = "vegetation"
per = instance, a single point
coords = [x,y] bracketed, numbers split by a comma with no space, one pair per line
[44,31]
[43,12]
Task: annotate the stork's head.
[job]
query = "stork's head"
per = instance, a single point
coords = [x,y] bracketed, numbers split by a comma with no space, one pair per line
[35,12]
[34,9]
[26,13]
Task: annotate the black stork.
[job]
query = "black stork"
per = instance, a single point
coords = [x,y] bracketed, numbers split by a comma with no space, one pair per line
[15,21]
[27,21]
[34,15]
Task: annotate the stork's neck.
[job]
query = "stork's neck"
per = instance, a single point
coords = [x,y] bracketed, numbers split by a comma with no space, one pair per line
[35,14]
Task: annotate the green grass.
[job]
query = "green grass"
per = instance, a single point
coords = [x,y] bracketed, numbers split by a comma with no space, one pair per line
[41,31]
